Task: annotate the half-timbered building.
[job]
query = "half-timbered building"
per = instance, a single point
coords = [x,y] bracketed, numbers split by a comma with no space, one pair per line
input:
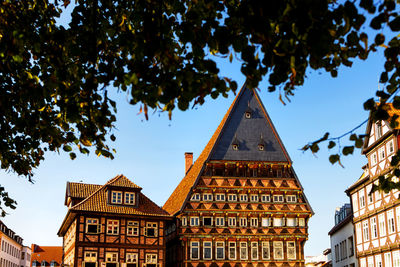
[112,225]
[240,203]
[376,216]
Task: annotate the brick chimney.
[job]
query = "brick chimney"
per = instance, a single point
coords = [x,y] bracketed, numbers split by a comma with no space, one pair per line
[188,161]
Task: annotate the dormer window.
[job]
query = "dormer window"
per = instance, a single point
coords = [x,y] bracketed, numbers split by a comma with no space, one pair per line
[116,197]
[261,143]
[248,111]
[378,127]
[235,144]
[129,198]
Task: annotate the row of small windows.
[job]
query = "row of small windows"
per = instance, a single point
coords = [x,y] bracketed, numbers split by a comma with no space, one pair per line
[382,260]
[244,171]
[240,250]
[129,198]
[7,263]
[382,153]
[242,221]
[344,249]
[132,229]
[370,229]
[111,260]
[44,264]
[10,249]
[243,197]
[371,197]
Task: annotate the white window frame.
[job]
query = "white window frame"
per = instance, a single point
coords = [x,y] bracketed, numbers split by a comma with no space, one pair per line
[253,198]
[232,197]
[242,221]
[132,228]
[151,258]
[253,222]
[194,245]
[291,247]
[291,222]
[132,258]
[194,221]
[112,227]
[388,259]
[218,246]
[220,221]
[381,153]
[219,197]
[390,147]
[207,197]
[90,256]
[184,221]
[398,218]
[382,225]
[232,221]
[302,222]
[374,159]
[116,197]
[151,225]
[354,199]
[365,230]
[232,248]
[390,220]
[361,198]
[278,198]
[266,222]
[374,228]
[207,245]
[265,198]
[195,197]
[278,247]
[278,222]
[130,198]
[243,198]
[265,248]
[111,257]
[378,260]
[243,248]
[291,198]
[396,258]
[254,250]
[208,217]
[93,221]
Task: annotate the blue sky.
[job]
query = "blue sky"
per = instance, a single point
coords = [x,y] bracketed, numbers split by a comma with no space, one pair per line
[151,153]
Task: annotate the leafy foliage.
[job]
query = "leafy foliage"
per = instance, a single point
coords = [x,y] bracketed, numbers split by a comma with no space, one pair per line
[55,78]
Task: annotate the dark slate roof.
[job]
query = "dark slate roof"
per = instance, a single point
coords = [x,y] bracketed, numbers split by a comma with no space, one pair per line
[249,132]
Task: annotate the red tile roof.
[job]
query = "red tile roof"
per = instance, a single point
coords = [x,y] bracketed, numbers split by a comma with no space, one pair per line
[97,201]
[46,253]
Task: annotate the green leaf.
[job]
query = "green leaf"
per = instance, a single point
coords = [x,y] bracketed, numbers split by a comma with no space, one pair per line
[334,158]
[331,144]
[67,148]
[348,150]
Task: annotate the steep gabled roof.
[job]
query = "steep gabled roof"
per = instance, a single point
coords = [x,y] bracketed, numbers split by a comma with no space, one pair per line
[247,131]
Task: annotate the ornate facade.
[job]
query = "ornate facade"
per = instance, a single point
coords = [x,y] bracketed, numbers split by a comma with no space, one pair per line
[113,225]
[376,216]
[240,203]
